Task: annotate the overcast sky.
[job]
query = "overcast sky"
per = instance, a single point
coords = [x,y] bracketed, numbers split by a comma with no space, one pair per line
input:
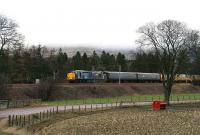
[101,23]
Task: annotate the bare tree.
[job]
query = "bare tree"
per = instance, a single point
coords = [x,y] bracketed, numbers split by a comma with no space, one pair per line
[168,40]
[9,36]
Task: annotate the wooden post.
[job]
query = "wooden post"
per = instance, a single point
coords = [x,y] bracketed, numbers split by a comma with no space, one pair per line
[8,103]
[96,106]
[9,120]
[85,108]
[24,123]
[102,106]
[53,111]
[40,116]
[57,110]
[116,104]
[47,114]
[32,118]
[13,119]
[20,120]
[29,119]
[79,108]
[65,109]
[72,108]
[91,107]
[16,120]
[43,114]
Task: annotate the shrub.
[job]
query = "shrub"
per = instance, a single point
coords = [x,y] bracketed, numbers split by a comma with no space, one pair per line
[46,86]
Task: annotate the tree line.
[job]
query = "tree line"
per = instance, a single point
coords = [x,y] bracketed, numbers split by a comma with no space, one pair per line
[171,48]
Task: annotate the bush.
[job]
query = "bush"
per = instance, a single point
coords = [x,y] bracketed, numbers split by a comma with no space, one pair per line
[46,87]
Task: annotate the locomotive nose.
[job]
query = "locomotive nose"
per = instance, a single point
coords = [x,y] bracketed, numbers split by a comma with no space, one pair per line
[71,76]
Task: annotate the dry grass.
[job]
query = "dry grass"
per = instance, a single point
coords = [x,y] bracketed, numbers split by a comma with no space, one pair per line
[130,121]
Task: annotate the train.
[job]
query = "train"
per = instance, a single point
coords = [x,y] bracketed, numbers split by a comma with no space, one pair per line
[84,76]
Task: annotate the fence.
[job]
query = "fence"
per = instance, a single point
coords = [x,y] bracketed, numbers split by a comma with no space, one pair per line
[4,104]
[108,103]
[27,120]
[136,98]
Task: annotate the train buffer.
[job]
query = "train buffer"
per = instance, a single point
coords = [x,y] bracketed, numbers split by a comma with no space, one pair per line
[158,105]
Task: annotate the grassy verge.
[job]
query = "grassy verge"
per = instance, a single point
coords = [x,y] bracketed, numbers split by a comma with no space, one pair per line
[3,133]
[134,98]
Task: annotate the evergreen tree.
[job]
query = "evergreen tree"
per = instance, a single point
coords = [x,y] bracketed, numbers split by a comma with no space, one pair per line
[121,60]
[77,61]
[95,61]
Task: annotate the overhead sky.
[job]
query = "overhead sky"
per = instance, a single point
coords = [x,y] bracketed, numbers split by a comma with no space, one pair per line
[94,23]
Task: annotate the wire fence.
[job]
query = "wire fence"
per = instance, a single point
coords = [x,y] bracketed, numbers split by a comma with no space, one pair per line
[5,104]
[134,98]
[97,105]
[27,120]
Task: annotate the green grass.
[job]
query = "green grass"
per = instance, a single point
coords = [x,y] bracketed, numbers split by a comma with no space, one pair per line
[136,98]
[3,133]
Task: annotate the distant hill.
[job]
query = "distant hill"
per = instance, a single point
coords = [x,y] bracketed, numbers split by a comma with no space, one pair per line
[71,51]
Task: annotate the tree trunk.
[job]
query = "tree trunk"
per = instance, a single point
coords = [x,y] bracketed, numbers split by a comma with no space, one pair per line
[167,93]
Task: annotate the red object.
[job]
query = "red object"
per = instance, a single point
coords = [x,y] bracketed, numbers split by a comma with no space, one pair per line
[158,105]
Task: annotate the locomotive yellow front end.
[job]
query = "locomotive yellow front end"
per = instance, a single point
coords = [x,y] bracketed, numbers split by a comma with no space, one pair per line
[71,77]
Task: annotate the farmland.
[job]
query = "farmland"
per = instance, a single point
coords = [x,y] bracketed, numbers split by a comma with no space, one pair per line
[137,120]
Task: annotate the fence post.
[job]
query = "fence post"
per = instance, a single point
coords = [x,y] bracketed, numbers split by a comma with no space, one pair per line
[32,118]
[79,108]
[85,108]
[96,106]
[13,119]
[47,114]
[8,102]
[91,107]
[9,120]
[20,120]
[65,109]
[102,106]
[16,120]
[24,123]
[72,108]
[57,110]
[29,119]
[40,116]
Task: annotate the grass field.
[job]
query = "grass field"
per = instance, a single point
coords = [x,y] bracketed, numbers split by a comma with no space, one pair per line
[136,98]
[3,133]
[141,120]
